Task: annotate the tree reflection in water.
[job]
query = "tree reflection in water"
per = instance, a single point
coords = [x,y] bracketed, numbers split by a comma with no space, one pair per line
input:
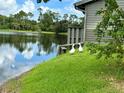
[44,42]
[19,53]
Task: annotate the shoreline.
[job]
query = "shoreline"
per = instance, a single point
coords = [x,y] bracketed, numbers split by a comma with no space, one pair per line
[21,32]
[15,77]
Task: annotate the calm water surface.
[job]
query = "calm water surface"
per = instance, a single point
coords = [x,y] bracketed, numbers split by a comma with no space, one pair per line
[19,53]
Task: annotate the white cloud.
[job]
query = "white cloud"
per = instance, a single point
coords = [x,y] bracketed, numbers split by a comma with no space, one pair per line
[44,9]
[28,6]
[67,9]
[71,9]
[7,55]
[8,6]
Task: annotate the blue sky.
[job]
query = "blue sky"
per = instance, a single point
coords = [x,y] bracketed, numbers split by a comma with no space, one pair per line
[13,6]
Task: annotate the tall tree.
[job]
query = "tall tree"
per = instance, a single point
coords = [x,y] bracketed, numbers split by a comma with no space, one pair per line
[56,16]
[81,21]
[65,16]
[72,18]
[30,14]
[46,21]
[40,13]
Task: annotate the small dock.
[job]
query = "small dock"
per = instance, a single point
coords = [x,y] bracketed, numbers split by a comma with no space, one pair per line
[75,36]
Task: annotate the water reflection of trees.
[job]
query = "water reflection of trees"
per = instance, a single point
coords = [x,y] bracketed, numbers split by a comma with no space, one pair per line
[45,42]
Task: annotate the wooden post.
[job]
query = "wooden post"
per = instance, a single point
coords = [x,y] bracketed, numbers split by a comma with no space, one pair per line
[74,34]
[81,35]
[68,38]
[72,37]
[77,35]
[84,30]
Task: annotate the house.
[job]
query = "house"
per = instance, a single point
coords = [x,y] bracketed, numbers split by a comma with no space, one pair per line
[89,8]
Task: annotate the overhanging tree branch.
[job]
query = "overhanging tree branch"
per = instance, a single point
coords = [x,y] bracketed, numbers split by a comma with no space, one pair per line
[39,1]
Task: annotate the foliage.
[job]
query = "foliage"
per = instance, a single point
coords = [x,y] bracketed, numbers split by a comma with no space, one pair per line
[45,1]
[19,21]
[52,21]
[111,31]
[48,21]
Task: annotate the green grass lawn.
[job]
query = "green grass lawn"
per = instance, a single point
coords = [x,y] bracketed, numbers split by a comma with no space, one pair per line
[78,73]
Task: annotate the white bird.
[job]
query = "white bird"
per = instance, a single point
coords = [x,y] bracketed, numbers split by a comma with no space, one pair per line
[72,50]
[80,48]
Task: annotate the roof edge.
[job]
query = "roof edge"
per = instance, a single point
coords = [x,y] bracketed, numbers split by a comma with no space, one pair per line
[81,4]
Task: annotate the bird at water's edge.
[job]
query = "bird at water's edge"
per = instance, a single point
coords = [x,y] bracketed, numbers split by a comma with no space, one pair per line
[72,50]
[80,48]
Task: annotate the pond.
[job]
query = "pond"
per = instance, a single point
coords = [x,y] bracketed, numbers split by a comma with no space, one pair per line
[19,53]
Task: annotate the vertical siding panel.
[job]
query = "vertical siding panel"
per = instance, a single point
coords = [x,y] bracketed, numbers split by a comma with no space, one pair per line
[121,3]
[72,39]
[77,35]
[93,19]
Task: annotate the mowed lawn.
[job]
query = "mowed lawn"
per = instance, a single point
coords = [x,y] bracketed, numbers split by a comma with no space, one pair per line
[77,73]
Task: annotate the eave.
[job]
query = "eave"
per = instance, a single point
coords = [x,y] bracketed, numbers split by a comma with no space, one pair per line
[81,4]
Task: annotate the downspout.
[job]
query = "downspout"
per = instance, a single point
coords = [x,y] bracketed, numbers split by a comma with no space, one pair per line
[85,18]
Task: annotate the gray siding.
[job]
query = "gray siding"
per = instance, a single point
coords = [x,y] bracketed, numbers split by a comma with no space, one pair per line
[92,19]
[121,3]
[90,35]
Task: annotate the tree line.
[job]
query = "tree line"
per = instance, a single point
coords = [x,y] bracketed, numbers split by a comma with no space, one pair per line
[48,21]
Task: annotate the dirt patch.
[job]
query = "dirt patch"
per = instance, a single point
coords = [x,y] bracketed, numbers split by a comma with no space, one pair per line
[118,84]
[11,87]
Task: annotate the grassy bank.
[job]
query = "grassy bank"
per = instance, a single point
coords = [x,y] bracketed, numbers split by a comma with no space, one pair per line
[10,30]
[43,32]
[78,73]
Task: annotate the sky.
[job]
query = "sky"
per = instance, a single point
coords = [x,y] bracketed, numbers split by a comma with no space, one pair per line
[8,7]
